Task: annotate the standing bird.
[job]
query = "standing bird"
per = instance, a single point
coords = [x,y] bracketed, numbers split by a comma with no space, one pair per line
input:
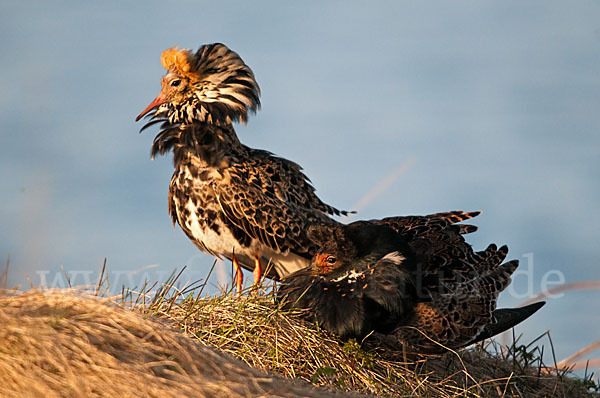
[412,279]
[231,200]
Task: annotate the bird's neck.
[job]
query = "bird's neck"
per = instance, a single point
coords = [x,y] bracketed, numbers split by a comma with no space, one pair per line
[207,145]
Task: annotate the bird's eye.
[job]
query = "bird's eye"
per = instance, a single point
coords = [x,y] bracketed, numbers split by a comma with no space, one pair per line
[331,260]
[175,83]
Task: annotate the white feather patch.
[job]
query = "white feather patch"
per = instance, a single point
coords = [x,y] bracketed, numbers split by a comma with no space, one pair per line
[352,275]
[394,257]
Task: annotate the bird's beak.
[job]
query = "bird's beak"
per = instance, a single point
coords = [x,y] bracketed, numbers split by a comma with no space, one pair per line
[157,102]
[307,271]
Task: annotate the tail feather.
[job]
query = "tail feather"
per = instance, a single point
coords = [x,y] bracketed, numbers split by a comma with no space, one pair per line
[506,318]
[499,277]
[455,216]
[464,229]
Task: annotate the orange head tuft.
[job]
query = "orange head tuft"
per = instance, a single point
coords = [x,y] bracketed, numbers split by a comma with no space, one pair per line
[179,61]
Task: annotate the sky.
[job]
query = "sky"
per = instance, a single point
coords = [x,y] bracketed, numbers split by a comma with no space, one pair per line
[392,108]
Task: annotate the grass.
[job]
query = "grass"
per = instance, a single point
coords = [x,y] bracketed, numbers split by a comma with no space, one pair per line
[254,328]
[62,343]
[168,340]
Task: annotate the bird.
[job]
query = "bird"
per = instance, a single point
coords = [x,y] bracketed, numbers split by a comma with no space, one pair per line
[414,281]
[233,201]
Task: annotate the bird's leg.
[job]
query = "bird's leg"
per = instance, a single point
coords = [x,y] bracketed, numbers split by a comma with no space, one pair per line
[257,271]
[238,277]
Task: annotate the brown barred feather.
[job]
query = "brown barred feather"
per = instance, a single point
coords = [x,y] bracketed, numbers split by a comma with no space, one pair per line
[231,198]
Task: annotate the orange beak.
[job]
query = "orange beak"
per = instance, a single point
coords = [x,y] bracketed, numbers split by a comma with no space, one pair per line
[157,102]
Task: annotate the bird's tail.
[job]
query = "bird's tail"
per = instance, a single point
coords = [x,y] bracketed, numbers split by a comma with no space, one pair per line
[506,318]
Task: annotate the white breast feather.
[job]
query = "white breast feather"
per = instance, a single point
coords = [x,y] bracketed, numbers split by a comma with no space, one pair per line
[352,275]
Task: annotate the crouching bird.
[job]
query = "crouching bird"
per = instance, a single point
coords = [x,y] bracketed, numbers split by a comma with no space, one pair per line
[412,279]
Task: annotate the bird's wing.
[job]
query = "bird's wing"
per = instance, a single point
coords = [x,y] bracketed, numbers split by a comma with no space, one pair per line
[256,204]
[438,243]
[391,287]
[289,182]
[406,224]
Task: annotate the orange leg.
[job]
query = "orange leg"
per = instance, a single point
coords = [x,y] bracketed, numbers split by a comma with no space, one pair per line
[257,271]
[238,277]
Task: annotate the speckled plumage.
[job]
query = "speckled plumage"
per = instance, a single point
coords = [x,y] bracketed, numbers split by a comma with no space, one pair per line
[413,280]
[229,198]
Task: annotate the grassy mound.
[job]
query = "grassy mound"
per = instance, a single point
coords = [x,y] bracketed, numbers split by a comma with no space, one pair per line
[66,343]
[252,327]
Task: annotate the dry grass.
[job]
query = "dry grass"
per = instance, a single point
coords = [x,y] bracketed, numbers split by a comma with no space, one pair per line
[69,344]
[65,344]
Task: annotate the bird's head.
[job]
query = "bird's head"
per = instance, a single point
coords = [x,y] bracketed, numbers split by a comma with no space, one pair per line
[327,260]
[213,86]
[358,244]
[335,250]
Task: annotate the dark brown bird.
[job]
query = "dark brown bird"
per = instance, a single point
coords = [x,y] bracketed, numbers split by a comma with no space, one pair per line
[413,280]
[231,200]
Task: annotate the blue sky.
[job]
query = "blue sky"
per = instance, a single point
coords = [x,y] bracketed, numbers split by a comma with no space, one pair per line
[489,106]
